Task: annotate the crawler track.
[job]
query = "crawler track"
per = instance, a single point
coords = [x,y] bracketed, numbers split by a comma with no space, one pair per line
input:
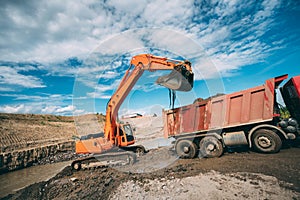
[104,160]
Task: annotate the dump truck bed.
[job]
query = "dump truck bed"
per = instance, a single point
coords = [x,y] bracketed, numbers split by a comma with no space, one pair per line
[254,105]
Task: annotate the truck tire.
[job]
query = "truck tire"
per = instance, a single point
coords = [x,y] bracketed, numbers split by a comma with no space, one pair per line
[211,147]
[266,141]
[186,149]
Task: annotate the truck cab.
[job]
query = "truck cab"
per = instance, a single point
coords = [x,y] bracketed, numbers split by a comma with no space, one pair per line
[291,95]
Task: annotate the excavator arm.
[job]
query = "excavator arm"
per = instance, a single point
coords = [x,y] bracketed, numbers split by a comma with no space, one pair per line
[181,79]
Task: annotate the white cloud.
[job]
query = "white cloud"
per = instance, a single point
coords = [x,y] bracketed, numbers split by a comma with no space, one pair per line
[129,6]
[99,95]
[61,110]
[13,109]
[108,75]
[76,28]
[56,104]
[120,43]
[215,36]
[56,34]
[103,91]
[12,77]
[168,12]
[268,7]
[58,31]
[69,108]
[40,108]
[233,41]
[39,98]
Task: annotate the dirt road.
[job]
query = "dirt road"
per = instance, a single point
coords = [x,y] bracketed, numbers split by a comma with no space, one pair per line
[233,176]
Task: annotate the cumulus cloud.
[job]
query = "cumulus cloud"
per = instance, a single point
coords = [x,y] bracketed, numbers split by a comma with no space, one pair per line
[60,109]
[57,104]
[13,77]
[103,91]
[41,109]
[56,31]
[14,109]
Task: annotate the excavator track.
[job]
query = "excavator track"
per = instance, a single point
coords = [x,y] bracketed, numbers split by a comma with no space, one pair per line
[110,159]
[139,150]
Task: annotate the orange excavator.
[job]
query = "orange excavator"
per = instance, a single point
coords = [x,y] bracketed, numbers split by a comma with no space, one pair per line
[116,146]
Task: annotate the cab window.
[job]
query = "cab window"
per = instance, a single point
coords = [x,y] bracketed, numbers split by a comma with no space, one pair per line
[127,129]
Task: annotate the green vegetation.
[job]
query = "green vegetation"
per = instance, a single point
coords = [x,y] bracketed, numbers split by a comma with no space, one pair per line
[284,113]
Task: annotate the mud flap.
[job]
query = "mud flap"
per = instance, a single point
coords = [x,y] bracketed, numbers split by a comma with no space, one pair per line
[179,79]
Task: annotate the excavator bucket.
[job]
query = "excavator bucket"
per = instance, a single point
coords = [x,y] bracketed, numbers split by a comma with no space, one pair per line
[180,79]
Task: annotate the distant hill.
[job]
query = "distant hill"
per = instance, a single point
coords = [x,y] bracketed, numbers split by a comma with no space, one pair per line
[19,131]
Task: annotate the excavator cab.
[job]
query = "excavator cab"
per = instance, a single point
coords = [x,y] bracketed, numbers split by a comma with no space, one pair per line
[180,79]
[126,135]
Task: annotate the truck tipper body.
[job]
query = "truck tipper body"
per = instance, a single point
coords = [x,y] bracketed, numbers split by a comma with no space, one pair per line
[248,117]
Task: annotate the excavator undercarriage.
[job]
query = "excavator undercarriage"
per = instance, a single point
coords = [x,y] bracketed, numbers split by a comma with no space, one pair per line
[109,159]
[116,156]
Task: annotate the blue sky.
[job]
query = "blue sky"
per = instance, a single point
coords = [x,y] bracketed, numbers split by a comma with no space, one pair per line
[67,58]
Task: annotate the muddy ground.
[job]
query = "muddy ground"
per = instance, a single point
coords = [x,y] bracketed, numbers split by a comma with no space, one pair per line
[159,174]
[236,175]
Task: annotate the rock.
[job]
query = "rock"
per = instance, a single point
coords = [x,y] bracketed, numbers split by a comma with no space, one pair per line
[147,189]
[185,190]
[107,181]
[73,179]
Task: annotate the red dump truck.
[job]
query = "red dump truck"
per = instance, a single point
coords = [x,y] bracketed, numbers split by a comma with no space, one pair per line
[250,117]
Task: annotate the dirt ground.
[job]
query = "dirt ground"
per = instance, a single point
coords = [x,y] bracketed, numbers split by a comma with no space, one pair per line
[238,175]
[159,174]
[21,131]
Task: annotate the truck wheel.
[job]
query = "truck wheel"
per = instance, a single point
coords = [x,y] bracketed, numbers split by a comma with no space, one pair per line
[266,141]
[211,147]
[186,149]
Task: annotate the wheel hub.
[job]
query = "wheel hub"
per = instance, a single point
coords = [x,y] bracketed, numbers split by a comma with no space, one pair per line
[186,149]
[264,142]
[210,147]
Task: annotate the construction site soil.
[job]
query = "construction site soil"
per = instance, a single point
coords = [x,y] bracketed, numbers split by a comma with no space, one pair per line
[233,176]
[22,131]
[159,174]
